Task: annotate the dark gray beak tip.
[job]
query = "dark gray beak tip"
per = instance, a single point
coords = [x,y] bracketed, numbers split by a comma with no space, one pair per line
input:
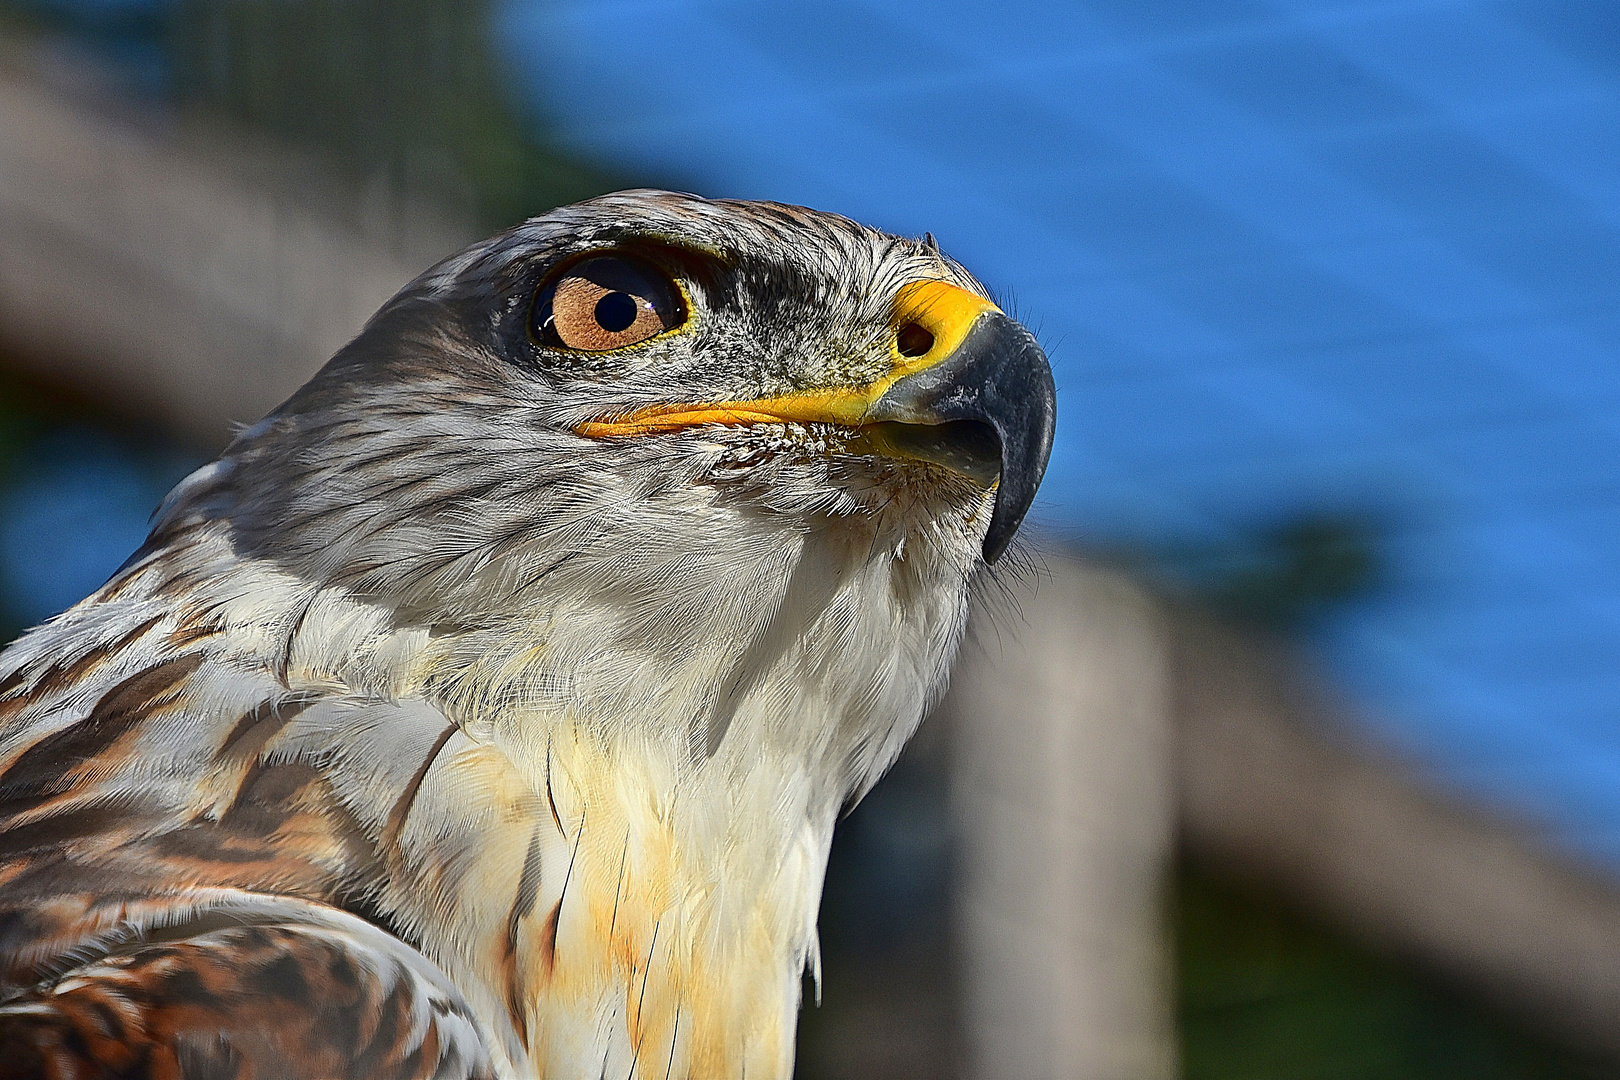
[1020,402]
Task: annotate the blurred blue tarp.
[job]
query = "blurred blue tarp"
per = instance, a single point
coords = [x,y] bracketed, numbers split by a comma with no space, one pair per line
[1286,256]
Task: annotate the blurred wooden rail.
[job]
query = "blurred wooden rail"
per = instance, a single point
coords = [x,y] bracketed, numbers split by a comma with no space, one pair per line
[1095,728]
[1271,785]
[1093,724]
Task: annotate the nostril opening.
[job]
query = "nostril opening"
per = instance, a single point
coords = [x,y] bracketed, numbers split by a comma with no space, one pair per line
[914,340]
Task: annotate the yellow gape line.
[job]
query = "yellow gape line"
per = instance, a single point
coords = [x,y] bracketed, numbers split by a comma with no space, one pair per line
[945,311]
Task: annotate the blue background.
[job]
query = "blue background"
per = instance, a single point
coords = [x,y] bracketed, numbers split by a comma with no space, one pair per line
[1286,257]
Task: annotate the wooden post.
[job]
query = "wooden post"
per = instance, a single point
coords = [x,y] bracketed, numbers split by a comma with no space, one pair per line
[1063,804]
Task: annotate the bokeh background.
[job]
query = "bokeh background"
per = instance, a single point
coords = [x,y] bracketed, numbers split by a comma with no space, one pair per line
[1331,289]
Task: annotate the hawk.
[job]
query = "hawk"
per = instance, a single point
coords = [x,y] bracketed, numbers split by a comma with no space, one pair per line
[485,710]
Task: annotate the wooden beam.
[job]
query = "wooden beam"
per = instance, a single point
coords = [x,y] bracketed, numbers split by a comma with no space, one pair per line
[160,277]
[1088,717]
[1274,786]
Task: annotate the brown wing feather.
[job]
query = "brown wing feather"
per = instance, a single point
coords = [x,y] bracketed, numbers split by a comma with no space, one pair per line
[169,794]
[310,1003]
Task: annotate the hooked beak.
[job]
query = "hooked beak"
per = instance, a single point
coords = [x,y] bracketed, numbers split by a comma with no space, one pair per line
[973,392]
[998,376]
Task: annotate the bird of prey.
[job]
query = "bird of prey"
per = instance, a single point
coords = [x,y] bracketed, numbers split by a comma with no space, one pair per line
[485,710]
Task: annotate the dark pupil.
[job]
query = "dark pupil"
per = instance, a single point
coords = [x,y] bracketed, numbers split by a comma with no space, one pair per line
[615,312]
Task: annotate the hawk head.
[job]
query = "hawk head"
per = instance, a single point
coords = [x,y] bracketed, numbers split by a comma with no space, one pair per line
[654,352]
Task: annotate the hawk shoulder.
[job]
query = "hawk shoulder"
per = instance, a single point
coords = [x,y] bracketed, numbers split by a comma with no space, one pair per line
[271,999]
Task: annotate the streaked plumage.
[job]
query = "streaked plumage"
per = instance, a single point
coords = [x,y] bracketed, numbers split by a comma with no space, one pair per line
[486,709]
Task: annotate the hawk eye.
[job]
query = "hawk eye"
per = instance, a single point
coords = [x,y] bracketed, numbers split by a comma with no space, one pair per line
[605,303]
